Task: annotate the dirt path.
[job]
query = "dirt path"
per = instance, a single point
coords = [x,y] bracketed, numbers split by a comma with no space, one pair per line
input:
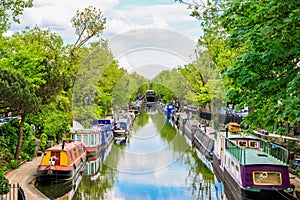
[25,176]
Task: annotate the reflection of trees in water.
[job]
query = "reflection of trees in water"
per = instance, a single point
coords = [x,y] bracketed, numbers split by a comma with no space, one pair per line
[200,178]
[99,185]
[141,120]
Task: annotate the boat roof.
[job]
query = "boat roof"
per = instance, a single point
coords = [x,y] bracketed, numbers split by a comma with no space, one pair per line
[86,131]
[256,157]
[192,121]
[67,146]
[238,136]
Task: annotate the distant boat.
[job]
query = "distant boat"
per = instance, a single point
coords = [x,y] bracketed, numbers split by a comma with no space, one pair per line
[120,131]
[150,98]
[62,162]
[249,167]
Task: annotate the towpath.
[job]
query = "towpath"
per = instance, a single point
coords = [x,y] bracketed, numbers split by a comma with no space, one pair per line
[25,176]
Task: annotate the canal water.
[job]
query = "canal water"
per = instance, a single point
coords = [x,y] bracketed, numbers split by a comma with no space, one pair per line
[155,163]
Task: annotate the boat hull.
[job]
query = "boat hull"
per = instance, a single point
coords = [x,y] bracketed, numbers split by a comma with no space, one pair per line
[52,175]
[236,192]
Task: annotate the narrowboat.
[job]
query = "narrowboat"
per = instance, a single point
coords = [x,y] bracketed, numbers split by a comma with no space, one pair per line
[150,96]
[105,126]
[189,129]
[120,131]
[63,190]
[203,142]
[91,138]
[62,162]
[250,167]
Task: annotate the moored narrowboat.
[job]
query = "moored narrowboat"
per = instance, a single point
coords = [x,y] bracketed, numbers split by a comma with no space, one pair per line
[62,162]
[190,127]
[203,142]
[91,138]
[249,167]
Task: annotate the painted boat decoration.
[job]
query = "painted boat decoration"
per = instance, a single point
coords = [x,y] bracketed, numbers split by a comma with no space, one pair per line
[249,167]
[62,162]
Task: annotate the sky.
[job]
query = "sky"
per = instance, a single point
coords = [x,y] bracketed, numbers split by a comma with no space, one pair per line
[127,20]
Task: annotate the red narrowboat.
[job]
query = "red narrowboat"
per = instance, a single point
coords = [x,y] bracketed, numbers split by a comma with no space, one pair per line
[62,162]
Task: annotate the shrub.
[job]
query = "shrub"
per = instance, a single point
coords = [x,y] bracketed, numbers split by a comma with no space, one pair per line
[14,164]
[4,184]
[297,172]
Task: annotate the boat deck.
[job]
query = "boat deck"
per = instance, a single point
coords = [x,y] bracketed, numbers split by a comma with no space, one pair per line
[256,157]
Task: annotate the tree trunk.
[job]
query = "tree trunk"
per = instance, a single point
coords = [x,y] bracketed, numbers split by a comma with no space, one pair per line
[18,150]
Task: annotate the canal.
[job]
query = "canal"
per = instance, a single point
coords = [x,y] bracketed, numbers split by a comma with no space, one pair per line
[156,163]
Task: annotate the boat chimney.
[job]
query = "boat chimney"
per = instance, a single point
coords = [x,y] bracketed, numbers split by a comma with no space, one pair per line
[63,145]
[226,131]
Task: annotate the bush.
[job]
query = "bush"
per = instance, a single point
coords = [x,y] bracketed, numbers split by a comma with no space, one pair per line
[4,184]
[297,172]
[14,164]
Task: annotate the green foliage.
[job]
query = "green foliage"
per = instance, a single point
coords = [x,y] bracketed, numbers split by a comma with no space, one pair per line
[17,94]
[4,183]
[126,89]
[166,85]
[43,141]
[87,23]
[10,10]
[9,135]
[297,172]
[255,44]
[40,56]
[14,164]
[141,120]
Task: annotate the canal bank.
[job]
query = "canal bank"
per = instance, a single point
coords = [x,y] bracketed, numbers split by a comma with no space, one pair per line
[25,177]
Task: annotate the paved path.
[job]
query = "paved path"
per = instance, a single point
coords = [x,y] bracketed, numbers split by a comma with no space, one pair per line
[25,176]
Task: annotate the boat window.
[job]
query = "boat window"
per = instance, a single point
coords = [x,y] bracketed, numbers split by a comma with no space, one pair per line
[78,137]
[80,149]
[253,144]
[75,155]
[93,141]
[71,157]
[267,178]
[242,143]
[262,155]
[85,139]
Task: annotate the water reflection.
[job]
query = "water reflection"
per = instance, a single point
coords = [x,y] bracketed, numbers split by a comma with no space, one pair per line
[156,164]
[65,190]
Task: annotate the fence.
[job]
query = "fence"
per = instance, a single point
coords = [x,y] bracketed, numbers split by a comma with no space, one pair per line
[15,193]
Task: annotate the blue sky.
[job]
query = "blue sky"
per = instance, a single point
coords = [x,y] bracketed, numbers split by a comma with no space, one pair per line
[126,16]
[122,16]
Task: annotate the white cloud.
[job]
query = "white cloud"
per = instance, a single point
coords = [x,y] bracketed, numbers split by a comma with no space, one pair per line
[56,15]
[124,18]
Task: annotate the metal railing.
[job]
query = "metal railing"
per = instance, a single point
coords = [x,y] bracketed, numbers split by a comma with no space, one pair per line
[15,192]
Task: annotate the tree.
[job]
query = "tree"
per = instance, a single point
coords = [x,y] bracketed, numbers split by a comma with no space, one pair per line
[87,24]
[38,58]
[258,55]
[18,95]
[10,10]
